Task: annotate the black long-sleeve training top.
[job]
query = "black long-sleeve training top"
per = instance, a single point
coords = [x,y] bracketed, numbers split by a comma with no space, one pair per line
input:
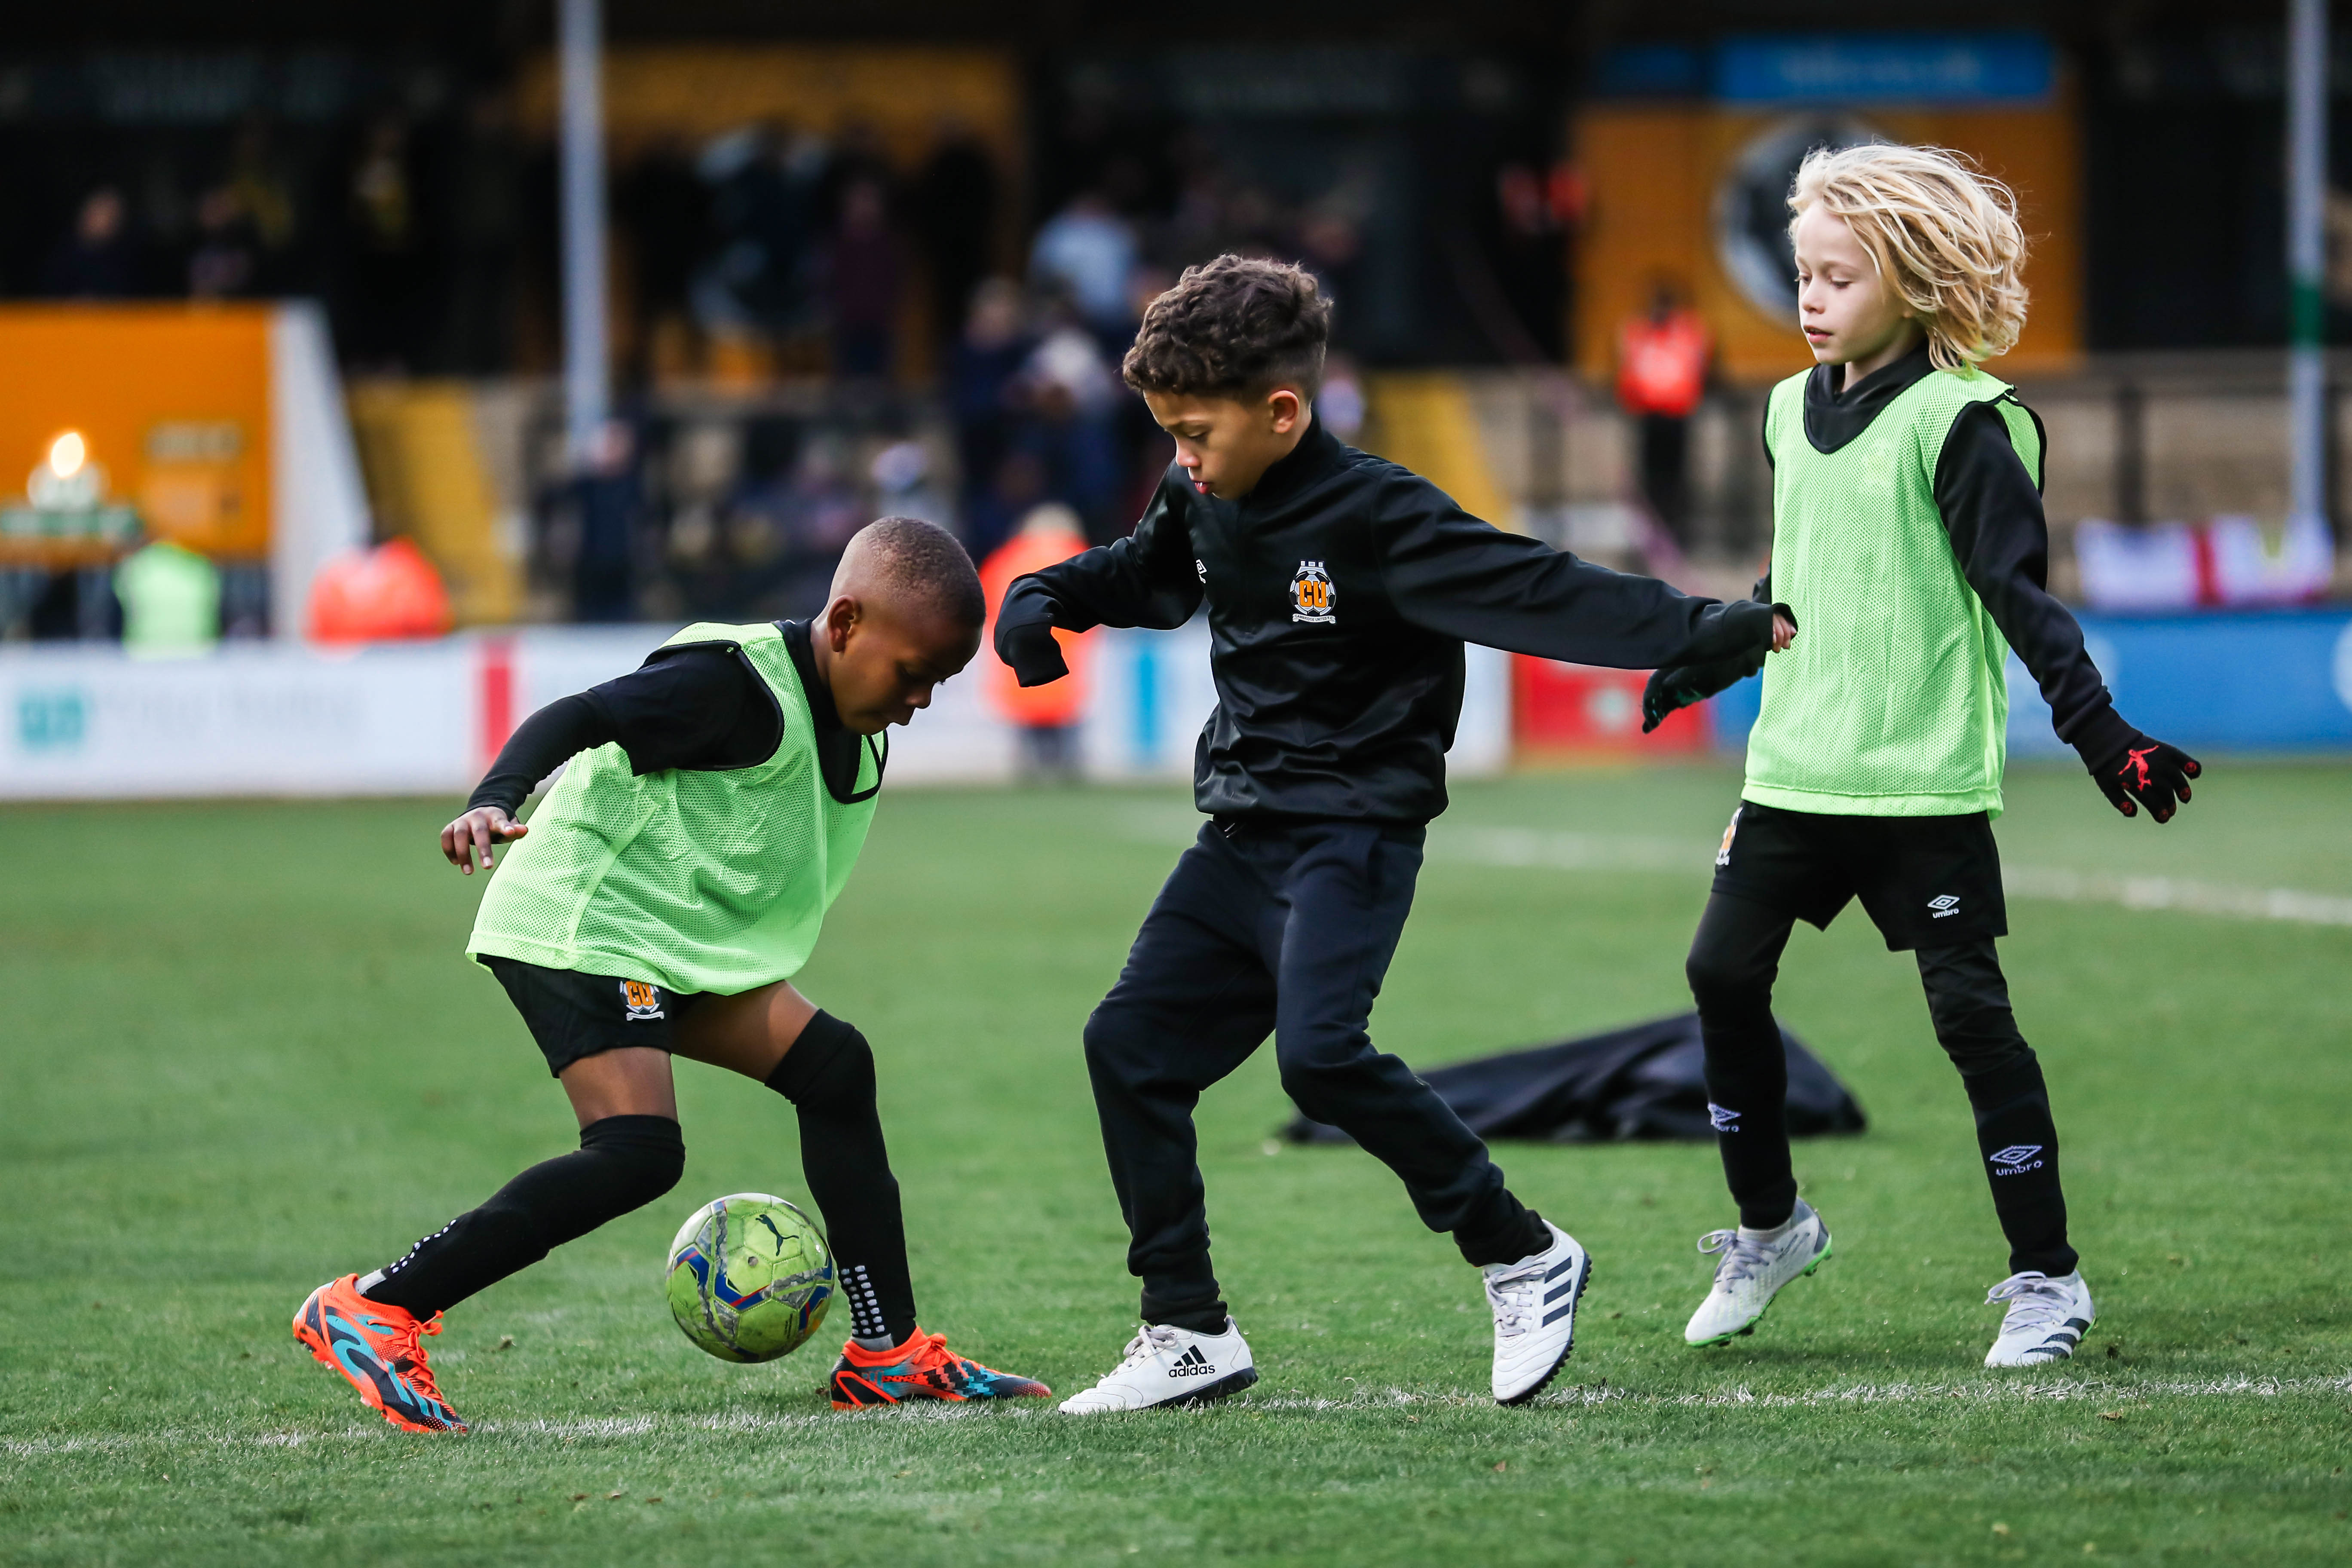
[1341,591]
[695,705]
[1991,506]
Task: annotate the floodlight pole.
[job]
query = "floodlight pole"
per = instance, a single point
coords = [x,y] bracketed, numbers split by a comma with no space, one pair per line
[586,355]
[2306,54]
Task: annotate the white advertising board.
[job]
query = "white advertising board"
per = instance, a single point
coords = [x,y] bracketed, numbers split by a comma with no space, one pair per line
[85,721]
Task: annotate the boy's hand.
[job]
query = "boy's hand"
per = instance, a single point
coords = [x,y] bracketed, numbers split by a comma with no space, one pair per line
[2145,771]
[476,832]
[1033,651]
[1784,631]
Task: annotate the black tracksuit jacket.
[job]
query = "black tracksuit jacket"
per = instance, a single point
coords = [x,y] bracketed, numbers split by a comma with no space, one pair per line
[1341,591]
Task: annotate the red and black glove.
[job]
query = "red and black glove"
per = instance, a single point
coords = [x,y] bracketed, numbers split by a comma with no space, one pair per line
[2144,771]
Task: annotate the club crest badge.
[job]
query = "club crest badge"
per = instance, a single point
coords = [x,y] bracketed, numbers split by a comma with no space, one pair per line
[1313,599]
[642,1002]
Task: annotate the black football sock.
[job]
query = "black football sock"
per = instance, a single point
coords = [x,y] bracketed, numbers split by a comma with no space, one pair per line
[625,1162]
[2019,1140]
[1968,1000]
[828,1075]
[1734,959]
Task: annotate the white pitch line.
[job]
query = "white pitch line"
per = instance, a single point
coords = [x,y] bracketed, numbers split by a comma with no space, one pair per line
[1991,1391]
[2002,1390]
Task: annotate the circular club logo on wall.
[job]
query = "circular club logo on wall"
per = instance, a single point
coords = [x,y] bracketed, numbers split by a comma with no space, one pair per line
[1751,205]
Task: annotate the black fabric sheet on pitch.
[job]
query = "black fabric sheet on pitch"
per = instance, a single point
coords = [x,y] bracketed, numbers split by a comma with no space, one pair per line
[1647,1080]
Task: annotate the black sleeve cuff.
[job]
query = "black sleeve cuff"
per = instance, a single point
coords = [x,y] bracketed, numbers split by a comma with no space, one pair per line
[2101,736]
[1729,630]
[1031,650]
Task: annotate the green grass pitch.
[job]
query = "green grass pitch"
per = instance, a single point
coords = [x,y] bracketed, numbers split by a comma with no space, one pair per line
[241,1053]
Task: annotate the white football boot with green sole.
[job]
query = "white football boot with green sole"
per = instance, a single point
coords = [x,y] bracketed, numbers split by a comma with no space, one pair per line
[1752,1271]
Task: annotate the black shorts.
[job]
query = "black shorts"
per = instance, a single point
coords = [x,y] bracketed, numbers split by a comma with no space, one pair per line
[1925,881]
[573,1015]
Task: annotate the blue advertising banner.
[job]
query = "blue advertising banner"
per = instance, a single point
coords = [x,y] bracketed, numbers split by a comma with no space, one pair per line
[1885,68]
[2276,680]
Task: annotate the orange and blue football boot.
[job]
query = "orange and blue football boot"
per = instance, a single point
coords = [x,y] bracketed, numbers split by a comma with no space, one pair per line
[922,1368]
[374,1346]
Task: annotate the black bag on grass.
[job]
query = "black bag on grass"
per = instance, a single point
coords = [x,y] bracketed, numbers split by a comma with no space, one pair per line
[1646,1080]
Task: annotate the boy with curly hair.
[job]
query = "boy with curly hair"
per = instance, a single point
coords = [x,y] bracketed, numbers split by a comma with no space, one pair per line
[1340,589]
[1908,534]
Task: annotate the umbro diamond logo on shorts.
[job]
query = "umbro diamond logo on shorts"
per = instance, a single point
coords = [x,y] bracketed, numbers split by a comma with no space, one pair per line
[1943,904]
[2015,1160]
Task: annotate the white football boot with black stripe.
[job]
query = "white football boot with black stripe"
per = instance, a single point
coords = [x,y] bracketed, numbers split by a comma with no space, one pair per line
[1535,1314]
[1171,1367]
[2047,1319]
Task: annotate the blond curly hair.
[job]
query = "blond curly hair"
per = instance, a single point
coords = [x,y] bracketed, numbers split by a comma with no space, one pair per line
[1943,234]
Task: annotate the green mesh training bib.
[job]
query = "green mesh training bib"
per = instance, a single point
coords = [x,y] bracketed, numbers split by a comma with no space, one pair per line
[1893,700]
[713,881]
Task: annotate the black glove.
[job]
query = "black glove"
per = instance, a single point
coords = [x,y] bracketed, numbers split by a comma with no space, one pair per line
[2143,769]
[1031,650]
[1679,685]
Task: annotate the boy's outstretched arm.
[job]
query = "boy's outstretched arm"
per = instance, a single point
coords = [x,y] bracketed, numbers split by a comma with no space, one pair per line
[1992,509]
[686,707]
[1448,571]
[1147,579]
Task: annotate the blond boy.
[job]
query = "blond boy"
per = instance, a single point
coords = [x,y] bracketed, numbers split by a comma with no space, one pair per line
[1907,537]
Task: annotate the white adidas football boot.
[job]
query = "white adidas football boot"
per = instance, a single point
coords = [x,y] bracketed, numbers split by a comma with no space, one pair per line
[1534,1302]
[1753,1270]
[2047,1319]
[1166,1366]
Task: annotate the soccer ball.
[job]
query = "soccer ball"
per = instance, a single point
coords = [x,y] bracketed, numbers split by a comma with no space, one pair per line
[749,1277]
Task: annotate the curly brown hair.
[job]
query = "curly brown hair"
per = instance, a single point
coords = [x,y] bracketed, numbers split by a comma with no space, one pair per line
[1235,327]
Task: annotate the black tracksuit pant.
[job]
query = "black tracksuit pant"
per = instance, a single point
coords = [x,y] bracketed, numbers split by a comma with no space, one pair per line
[1283,925]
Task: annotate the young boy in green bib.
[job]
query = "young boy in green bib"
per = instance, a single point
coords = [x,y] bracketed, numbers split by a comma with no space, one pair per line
[1908,538]
[658,904]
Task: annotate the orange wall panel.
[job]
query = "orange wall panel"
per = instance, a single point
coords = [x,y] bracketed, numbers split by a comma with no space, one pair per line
[173,401]
[1655,171]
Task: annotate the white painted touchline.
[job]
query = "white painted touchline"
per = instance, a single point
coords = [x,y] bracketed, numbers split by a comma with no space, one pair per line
[1995,1390]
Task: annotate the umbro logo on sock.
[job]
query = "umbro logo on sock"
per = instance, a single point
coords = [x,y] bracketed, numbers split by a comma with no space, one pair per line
[2015,1160]
[1722,1119]
[1191,1364]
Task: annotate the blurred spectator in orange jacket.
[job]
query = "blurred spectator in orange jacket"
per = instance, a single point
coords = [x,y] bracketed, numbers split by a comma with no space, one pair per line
[1046,716]
[1662,362]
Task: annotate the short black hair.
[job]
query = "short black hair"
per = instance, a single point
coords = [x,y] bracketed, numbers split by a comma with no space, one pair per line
[1235,327]
[923,561]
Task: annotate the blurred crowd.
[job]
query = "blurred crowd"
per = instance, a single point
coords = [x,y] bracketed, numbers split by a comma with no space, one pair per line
[810,331]
[412,231]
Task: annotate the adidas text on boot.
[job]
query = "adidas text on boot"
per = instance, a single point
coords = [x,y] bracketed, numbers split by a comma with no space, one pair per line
[1167,1366]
